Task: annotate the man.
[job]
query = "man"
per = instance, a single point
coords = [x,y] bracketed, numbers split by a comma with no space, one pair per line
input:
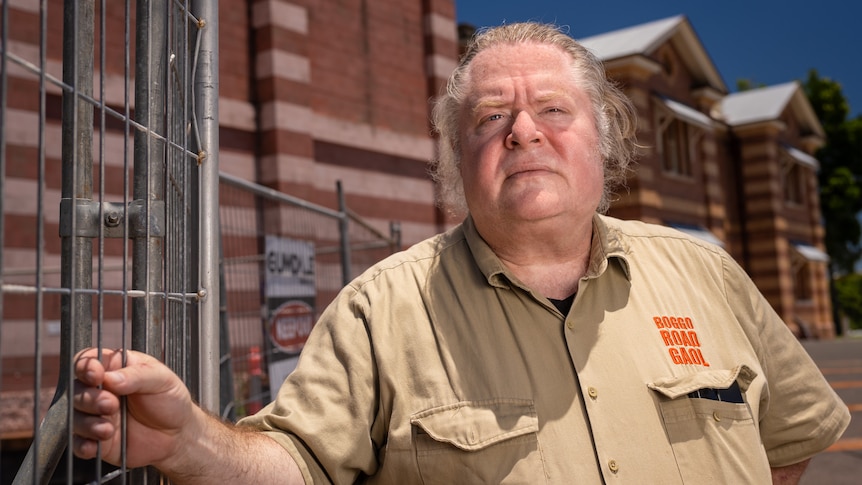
[537,342]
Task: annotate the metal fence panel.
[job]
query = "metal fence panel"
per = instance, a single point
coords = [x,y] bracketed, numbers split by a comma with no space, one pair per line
[117,230]
[250,216]
[107,160]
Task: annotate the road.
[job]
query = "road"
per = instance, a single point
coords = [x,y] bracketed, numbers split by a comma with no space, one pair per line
[841,362]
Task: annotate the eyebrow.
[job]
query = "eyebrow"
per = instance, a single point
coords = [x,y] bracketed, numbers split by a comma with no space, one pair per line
[494,102]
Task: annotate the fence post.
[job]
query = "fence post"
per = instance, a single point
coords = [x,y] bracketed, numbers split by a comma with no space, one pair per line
[394,236]
[343,229]
[206,84]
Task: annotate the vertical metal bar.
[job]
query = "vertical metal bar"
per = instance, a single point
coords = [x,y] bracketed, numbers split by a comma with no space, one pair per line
[206,88]
[343,229]
[102,126]
[127,29]
[4,73]
[178,240]
[148,186]
[394,236]
[77,157]
[51,437]
[77,160]
[226,395]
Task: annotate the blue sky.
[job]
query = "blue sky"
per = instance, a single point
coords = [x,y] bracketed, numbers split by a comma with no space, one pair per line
[766,41]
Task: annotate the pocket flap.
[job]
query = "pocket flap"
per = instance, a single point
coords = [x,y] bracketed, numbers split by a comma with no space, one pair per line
[473,425]
[674,387]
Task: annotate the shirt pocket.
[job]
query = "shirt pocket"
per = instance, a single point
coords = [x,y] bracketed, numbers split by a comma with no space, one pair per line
[493,441]
[713,441]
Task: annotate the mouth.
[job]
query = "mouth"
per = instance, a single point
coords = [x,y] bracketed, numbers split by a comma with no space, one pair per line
[524,171]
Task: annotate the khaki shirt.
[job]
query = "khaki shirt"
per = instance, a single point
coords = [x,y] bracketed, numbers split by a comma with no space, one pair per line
[438,366]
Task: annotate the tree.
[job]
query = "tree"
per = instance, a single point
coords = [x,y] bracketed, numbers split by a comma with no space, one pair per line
[840,180]
[745,84]
[840,174]
[848,290]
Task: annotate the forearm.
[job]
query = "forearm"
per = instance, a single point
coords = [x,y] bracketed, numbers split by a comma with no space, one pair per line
[789,475]
[215,452]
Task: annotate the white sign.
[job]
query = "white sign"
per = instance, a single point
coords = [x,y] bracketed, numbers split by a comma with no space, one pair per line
[289,268]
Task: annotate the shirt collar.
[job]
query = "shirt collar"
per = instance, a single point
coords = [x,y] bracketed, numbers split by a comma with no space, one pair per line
[607,245]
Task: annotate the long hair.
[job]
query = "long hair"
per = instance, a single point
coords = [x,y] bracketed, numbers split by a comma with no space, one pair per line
[613,112]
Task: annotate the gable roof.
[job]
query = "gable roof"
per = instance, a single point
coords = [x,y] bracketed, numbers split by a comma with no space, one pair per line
[644,39]
[639,39]
[767,104]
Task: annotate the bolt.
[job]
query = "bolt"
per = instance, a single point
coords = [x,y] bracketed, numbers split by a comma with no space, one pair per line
[112,219]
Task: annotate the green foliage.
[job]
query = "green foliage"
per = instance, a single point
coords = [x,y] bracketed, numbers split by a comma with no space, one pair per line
[840,175]
[848,289]
[841,200]
[745,84]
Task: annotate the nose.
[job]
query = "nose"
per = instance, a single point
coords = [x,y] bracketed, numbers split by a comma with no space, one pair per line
[524,132]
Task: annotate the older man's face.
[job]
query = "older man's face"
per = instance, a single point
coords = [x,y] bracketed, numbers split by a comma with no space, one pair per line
[529,145]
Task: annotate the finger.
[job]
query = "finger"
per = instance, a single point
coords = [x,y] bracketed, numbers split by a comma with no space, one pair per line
[88,368]
[92,400]
[90,427]
[84,448]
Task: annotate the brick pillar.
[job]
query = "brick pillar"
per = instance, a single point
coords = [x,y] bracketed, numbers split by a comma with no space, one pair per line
[824,319]
[282,82]
[441,49]
[768,248]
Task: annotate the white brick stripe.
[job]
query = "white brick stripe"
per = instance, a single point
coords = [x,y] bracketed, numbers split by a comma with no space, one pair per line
[31,6]
[237,163]
[280,14]
[286,116]
[440,26]
[234,113]
[284,65]
[398,188]
[299,119]
[357,181]
[440,66]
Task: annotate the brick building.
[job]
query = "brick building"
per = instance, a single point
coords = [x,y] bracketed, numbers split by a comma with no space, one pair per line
[337,90]
[735,169]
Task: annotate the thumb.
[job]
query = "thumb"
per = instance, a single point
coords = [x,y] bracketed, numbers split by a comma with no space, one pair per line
[145,375]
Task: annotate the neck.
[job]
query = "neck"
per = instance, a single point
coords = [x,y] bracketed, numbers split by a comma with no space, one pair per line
[548,256]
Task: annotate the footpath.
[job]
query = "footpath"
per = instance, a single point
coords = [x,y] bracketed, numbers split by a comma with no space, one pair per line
[840,361]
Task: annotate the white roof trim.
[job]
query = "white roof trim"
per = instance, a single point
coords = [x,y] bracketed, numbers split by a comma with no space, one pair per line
[687,113]
[699,232]
[802,157]
[638,39]
[811,253]
[757,105]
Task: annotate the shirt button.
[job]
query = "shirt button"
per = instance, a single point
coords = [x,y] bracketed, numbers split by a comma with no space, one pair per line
[715,416]
[593,392]
[613,466]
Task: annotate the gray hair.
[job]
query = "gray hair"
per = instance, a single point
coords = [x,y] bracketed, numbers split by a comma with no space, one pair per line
[615,116]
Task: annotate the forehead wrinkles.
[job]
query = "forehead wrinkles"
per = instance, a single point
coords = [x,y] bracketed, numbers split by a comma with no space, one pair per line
[487,78]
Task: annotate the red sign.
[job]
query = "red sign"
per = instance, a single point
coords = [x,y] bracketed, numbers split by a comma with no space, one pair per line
[290,325]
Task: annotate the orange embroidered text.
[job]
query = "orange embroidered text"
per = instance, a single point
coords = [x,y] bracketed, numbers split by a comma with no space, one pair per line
[681,340]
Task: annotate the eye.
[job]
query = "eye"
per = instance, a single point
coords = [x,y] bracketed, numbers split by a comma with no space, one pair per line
[493,117]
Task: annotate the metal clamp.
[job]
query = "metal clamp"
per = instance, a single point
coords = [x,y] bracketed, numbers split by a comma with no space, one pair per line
[112,218]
